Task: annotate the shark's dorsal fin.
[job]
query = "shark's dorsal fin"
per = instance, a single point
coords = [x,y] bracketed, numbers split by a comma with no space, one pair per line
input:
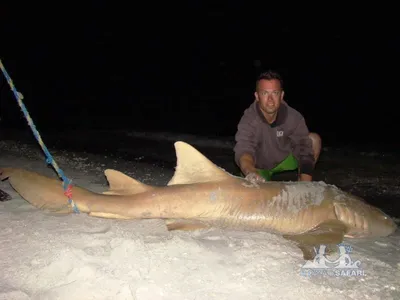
[194,167]
[122,184]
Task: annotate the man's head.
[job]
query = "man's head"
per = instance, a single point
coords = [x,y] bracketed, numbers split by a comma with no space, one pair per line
[269,93]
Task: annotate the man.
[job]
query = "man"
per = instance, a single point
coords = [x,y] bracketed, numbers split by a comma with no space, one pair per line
[273,137]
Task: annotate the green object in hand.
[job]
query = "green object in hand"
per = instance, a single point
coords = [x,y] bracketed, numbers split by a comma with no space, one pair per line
[288,164]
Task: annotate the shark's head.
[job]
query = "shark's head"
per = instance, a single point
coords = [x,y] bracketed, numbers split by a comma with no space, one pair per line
[382,224]
[362,218]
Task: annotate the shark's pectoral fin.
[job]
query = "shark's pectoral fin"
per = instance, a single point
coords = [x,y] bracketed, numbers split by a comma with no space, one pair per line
[122,184]
[194,167]
[187,225]
[327,233]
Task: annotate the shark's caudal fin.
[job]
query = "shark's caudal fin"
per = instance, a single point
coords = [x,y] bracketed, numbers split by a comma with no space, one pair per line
[43,192]
[122,184]
[7,172]
[194,167]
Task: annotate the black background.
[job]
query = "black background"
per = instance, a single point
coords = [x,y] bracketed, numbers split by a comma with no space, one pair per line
[191,67]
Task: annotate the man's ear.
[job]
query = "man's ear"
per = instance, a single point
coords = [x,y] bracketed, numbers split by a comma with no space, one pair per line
[256,96]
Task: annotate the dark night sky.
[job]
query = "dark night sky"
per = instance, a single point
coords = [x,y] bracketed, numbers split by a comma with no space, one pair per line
[192,67]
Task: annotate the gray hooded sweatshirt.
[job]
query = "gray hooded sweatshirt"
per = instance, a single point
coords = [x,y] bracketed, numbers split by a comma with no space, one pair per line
[269,144]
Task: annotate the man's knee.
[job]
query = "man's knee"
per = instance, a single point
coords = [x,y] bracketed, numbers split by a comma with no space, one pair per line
[316,143]
[316,139]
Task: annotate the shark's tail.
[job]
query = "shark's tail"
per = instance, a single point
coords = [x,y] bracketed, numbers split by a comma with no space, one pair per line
[41,191]
[6,172]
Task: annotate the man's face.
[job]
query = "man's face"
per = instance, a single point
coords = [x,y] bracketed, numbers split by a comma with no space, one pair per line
[269,95]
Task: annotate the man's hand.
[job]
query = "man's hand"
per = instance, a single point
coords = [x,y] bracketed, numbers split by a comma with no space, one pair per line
[305,177]
[249,170]
[254,178]
[246,164]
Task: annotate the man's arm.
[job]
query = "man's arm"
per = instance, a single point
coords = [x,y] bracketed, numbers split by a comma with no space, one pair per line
[247,164]
[303,151]
[245,148]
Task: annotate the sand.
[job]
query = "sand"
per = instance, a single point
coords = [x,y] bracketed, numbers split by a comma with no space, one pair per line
[49,256]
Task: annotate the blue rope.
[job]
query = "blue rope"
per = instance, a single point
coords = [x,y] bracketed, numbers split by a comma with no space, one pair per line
[66,182]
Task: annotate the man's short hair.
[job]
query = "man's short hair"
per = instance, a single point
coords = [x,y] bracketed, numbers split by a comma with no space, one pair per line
[269,75]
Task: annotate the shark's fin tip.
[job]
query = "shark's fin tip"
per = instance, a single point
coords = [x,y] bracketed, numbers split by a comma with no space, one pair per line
[193,167]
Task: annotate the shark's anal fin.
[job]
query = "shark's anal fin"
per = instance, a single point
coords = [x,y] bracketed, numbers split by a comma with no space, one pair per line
[194,167]
[107,215]
[185,225]
[328,233]
[122,184]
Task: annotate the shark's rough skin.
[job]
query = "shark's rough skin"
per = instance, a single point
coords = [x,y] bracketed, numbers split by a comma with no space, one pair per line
[201,195]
